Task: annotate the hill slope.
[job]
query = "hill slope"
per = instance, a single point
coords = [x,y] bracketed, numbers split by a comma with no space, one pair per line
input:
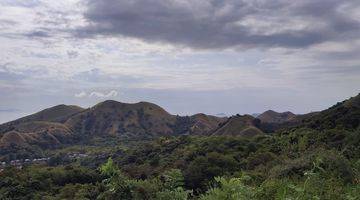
[343,115]
[59,113]
[240,125]
[204,124]
[71,124]
[271,116]
[112,117]
[139,119]
[42,134]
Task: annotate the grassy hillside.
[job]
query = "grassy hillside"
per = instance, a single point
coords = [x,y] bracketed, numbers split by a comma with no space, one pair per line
[59,113]
[29,138]
[67,125]
[111,117]
[271,116]
[141,119]
[202,124]
[245,125]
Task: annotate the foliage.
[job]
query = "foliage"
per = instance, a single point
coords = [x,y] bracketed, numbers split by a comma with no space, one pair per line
[167,186]
[229,189]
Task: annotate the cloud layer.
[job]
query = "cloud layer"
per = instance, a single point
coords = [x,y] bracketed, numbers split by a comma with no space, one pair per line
[224,24]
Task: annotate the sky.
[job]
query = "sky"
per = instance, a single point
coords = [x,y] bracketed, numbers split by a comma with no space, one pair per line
[209,56]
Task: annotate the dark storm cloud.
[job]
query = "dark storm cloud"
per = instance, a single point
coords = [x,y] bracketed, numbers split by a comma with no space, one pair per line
[222,24]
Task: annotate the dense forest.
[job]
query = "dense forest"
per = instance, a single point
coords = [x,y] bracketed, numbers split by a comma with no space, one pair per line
[315,156]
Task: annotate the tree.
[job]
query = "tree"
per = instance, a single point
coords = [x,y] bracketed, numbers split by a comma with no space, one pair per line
[116,182]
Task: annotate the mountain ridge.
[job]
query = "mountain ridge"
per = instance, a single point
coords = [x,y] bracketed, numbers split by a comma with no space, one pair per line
[69,124]
[60,125]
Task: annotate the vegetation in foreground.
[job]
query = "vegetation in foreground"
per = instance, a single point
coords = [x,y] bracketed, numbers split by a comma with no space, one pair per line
[303,164]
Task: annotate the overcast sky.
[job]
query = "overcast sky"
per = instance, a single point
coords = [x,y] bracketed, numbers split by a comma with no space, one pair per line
[211,56]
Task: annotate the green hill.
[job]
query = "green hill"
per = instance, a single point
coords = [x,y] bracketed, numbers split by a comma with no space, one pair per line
[343,115]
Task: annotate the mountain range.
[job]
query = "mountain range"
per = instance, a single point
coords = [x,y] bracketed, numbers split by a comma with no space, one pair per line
[64,124]
[68,124]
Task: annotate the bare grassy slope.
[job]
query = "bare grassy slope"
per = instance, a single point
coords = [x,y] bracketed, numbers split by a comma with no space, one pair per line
[69,124]
[271,116]
[58,113]
[240,125]
[143,118]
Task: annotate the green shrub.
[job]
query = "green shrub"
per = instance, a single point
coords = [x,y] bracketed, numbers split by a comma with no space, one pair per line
[229,189]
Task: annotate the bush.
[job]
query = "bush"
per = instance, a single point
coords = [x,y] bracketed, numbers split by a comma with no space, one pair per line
[229,189]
